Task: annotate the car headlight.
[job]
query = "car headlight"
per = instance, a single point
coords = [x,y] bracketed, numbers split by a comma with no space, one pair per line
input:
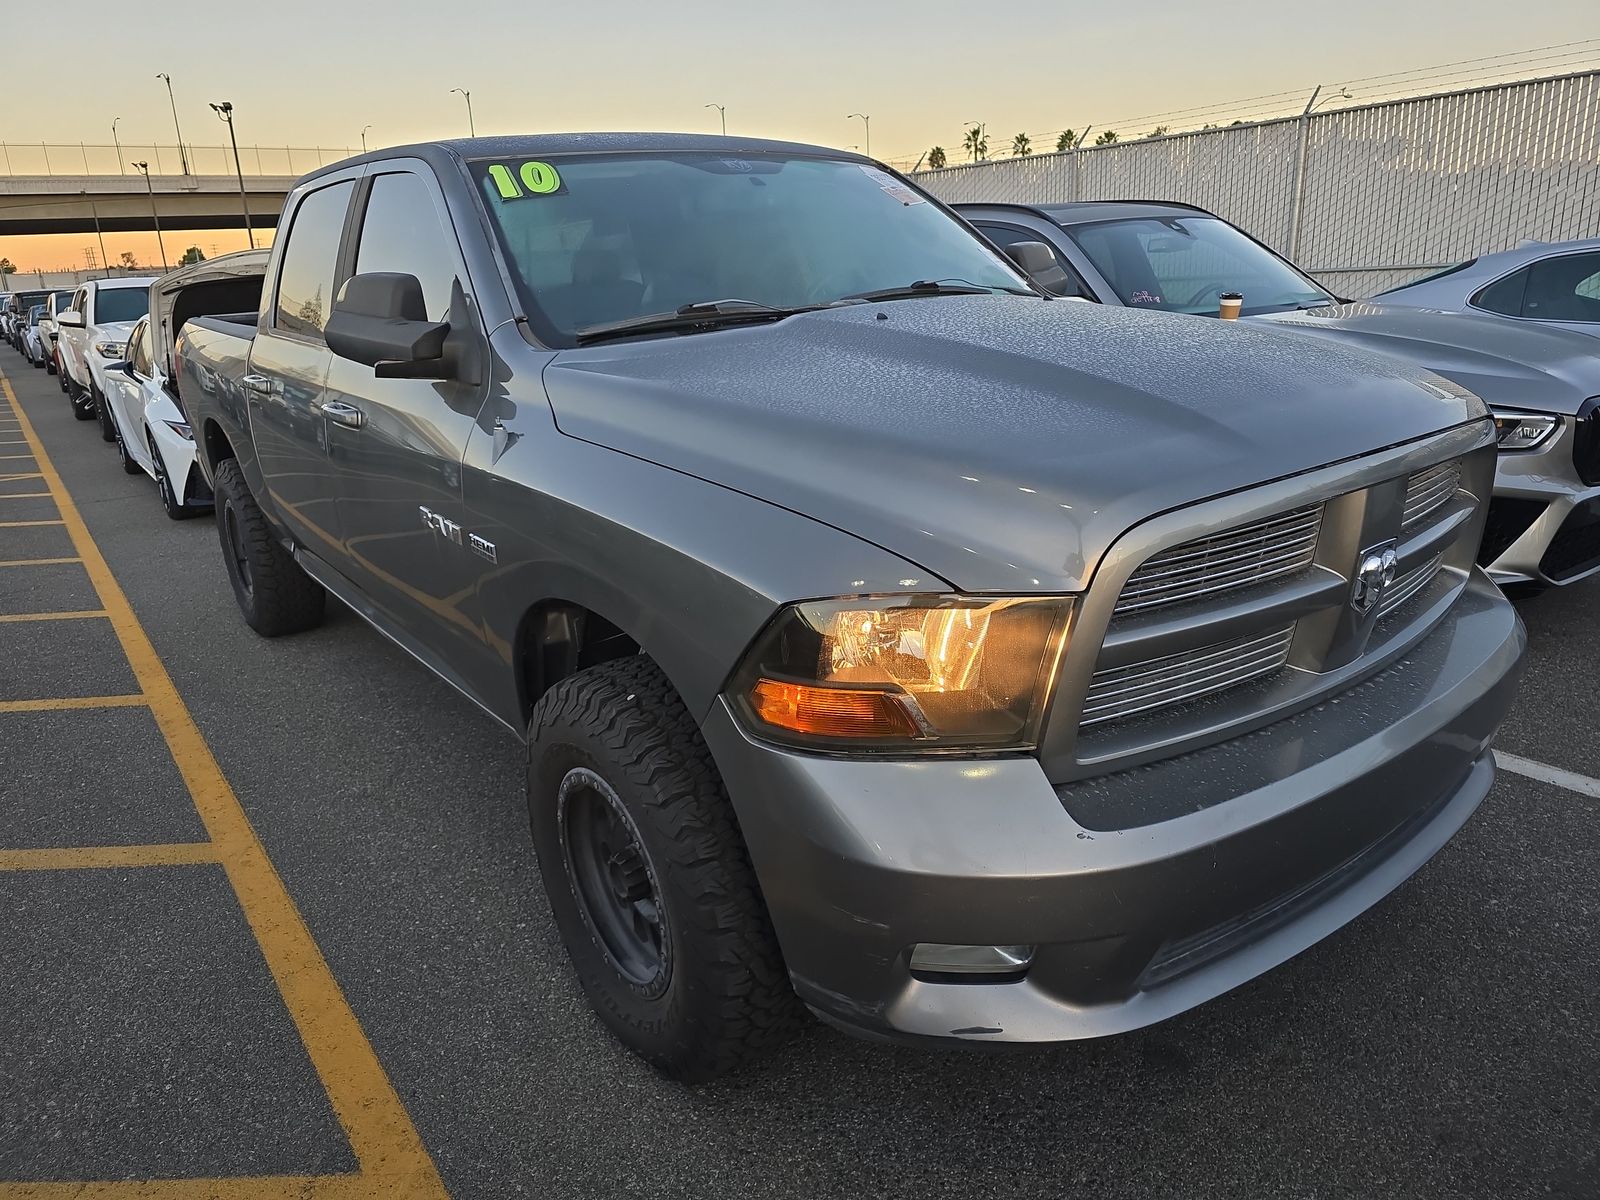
[1523,431]
[905,673]
[111,349]
[180,428]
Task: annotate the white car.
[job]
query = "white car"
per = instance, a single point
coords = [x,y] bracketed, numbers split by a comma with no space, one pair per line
[151,431]
[93,335]
[53,303]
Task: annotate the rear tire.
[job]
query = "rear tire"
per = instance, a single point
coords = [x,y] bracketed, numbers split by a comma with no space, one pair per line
[102,414]
[274,594]
[130,465]
[648,876]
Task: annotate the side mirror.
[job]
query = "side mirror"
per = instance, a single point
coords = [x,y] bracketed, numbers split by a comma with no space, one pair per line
[71,319]
[1039,262]
[380,319]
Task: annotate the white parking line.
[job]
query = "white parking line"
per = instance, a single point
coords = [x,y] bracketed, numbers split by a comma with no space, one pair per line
[1544,773]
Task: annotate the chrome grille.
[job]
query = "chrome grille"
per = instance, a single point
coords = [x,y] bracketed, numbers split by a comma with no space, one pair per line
[1178,678]
[1428,491]
[1409,584]
[1243,557]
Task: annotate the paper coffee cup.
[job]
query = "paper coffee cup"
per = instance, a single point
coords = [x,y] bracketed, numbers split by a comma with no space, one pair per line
[1228,306]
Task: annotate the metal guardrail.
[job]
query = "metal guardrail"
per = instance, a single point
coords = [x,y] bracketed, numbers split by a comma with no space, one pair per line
[86,158]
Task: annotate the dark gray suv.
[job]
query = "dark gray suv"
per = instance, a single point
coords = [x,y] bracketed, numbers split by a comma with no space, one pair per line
[888,637]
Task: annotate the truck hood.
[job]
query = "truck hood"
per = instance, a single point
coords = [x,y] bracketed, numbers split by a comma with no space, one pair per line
[1516,364]
[112,331]
[1000,442]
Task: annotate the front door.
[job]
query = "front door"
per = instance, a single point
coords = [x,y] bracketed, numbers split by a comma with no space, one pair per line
[288,372]
[399,452]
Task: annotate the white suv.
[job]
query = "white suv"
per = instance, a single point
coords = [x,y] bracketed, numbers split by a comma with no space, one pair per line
[93,335]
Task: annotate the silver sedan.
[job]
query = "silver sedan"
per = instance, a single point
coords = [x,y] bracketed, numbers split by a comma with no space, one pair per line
[1553,283]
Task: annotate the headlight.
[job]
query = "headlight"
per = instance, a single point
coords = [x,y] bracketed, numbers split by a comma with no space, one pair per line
[1523,431]
[111,349]
[181,429]
[905,673]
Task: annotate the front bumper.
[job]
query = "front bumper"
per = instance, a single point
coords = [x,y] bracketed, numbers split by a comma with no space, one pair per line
[1300,827]
[1544,521]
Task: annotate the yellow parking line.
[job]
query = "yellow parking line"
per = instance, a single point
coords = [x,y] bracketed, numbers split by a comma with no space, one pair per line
[37,562]
[25,475]
[62,703]
[10,456]
[26,524]
[80,615]
[73,858]
[24,495]
[387,1148]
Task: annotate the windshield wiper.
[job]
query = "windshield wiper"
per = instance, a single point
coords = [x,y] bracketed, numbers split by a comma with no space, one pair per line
[934,287]
[702,314]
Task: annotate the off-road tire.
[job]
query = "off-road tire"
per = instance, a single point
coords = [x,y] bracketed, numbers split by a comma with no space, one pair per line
[276,597]
[724,997]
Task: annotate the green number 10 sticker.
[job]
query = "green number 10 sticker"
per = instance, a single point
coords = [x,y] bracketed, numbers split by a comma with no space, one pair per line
[531,179]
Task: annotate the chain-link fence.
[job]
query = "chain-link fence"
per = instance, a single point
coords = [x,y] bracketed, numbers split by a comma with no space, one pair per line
[1365,197]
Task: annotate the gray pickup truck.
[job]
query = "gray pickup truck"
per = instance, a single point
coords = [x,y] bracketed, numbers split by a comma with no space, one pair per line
[889,638]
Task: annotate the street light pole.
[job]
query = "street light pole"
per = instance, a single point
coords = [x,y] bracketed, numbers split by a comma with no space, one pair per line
[722,112]
[121,170]
[99,237]
[472,128]
[364,129]
[225,112]
[867,122]
[144,169]
[183,156]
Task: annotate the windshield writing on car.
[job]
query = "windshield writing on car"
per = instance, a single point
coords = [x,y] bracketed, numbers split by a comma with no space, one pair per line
[595,239]
[1184,264]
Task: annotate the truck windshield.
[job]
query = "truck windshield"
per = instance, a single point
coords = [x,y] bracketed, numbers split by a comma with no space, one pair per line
[596,239]
[1183,264]
[121,304]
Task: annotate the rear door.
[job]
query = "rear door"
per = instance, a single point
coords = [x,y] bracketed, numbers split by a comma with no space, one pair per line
[400,447]
[289,368]
[72,339]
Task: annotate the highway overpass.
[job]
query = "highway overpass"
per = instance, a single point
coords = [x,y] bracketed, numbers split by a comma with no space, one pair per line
[31,204]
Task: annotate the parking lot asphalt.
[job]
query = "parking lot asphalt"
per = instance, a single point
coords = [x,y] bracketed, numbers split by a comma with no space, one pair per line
[277,930]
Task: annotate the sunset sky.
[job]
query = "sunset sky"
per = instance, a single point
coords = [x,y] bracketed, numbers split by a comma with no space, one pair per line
[309,74]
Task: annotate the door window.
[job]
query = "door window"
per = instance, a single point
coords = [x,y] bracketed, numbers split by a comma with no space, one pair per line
[1063,281]
[401,232]
[307,277]
[1564,289]
[139,352]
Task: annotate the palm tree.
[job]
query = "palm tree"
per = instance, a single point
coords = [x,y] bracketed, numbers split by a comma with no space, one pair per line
[976,143]
[1019,146]
[1066,140]
[936,158]
[1106,138]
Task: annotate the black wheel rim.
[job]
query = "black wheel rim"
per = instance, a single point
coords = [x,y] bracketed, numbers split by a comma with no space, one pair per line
[163,487]
[236,551]
[614,880]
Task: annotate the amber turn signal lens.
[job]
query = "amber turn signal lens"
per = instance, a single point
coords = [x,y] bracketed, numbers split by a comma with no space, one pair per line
[831,712]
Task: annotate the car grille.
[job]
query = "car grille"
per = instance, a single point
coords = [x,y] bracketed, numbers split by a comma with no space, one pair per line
[1575,549]
[1239,558]
[1282,587]
[1179,678]
[1586,442]
[1428,491]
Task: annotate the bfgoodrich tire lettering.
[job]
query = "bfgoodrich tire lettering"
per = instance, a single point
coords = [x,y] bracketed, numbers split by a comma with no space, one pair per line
[274,594]
[716,993]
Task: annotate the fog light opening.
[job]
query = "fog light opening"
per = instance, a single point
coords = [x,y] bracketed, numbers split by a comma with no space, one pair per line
[944,962]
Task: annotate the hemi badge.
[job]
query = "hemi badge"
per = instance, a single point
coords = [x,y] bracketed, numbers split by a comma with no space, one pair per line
[481,546]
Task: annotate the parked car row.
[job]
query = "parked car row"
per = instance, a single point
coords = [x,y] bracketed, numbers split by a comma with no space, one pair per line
[1539,370]
[891,637]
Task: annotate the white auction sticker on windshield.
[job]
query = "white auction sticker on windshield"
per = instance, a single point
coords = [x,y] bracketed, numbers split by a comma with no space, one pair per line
[890,185]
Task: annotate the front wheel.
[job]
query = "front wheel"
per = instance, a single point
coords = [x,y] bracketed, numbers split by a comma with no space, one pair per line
[274,594]
[130,465]
[102,413]
[648,876]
